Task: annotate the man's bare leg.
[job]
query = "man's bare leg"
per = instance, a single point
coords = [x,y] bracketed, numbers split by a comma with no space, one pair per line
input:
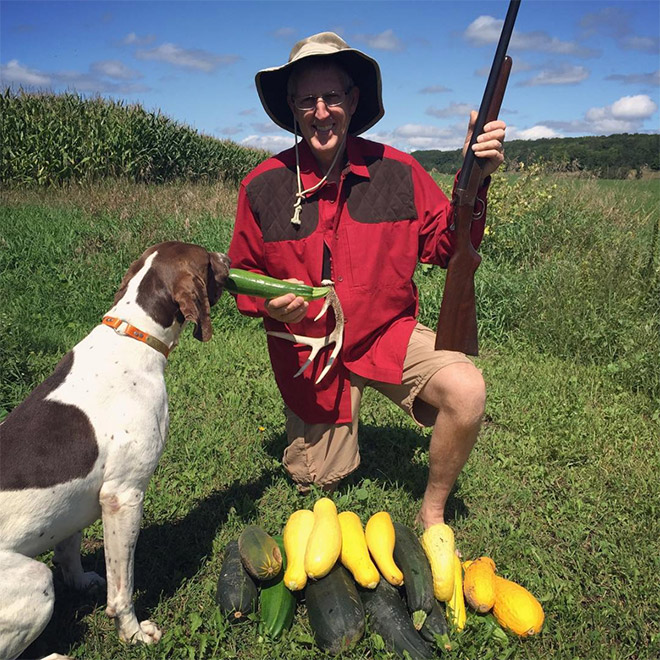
[459,393]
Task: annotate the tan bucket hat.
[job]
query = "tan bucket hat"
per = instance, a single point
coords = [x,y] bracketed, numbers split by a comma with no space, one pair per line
[272,83]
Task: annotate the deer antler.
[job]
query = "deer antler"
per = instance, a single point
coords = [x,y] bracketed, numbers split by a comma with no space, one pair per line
[317,343]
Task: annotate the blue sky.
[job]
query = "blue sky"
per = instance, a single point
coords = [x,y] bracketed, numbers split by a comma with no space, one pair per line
[581,67]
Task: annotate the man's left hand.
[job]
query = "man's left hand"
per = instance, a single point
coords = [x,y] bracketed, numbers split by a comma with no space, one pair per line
[489,144]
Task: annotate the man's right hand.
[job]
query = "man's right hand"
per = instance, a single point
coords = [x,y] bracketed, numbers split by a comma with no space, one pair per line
[288,308]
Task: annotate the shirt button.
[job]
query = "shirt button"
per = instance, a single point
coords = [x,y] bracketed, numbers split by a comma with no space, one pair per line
[340,279]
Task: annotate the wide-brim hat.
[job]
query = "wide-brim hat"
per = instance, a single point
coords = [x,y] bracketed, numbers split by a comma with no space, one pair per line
[364,70]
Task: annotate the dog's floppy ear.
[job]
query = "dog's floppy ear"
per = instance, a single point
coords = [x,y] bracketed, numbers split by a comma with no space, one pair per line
[191,296]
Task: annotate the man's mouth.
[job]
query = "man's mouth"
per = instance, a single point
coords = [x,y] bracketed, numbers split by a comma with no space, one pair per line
[323,129]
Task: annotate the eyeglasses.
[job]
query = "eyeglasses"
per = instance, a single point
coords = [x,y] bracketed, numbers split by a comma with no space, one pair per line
[330,99]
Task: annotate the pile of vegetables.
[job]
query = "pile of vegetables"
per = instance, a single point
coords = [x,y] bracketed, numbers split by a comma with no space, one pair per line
[411,591]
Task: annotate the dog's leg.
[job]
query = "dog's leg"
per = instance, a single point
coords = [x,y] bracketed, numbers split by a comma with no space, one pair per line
[67,557]
[121,509]
[26,602]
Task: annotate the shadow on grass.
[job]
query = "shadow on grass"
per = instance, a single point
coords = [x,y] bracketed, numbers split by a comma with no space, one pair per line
[388,455]
[169,554]
[166,556]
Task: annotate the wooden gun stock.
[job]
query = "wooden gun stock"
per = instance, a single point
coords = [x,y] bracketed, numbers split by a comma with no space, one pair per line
[457,321]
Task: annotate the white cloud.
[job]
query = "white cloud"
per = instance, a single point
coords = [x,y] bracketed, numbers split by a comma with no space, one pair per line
[14,73]
[421,130]
[643,44]
[652,78]
[274,143]
[434,89]
[286,33]
[266,127]
[229,130]
[192,58]
[452,110]
[115,69]
[634,107]
[626,115]
[486,30]
[615,23]
[563,75]
[411,137]
[534,133]
[92,81]
[132,39]
[386,40]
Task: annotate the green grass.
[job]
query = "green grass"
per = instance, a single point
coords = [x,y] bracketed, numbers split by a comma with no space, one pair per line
[561,490]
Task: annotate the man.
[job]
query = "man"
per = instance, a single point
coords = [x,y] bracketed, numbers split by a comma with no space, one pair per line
[361,214]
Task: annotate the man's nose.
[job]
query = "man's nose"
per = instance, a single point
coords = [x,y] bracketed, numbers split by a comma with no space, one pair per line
[321,109]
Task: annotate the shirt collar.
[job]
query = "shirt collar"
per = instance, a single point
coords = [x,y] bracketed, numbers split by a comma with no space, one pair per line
[310,172]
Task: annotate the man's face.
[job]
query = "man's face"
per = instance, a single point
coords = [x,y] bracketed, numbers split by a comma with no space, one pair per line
[323,126]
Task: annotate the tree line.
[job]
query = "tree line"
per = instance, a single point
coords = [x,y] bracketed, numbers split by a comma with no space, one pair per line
[617,156]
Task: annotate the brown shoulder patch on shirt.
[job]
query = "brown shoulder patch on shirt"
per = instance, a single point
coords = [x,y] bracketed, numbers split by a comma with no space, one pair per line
[386,197]
[272,196]
[45,443]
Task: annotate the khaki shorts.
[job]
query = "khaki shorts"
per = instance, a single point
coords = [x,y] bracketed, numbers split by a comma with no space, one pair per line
[325,453]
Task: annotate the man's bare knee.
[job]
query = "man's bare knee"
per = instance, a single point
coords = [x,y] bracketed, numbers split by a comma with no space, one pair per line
[457,390]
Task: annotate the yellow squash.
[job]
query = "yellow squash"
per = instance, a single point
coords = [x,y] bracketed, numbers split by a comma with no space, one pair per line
[438,544]
[295,535]
[324,543]
[380,536]
[456,606]
[479,584]
[516,609]
[354,552]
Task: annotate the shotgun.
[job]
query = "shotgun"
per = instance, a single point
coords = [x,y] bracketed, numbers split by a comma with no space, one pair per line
[457,321]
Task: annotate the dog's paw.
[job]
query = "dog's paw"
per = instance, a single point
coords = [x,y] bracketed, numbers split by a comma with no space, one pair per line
[148,633]
[92,581]
[89,581]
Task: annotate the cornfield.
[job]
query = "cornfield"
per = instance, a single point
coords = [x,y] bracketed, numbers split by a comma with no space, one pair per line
[52,139]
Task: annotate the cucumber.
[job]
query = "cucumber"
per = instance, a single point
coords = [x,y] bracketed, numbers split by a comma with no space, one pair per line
[260,554]
[436,625]
[277,604]
[335,610]
[417,578]
[388,616]
[236,593]
[262,286]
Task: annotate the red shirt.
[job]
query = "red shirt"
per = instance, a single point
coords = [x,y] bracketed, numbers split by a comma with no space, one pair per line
[384,216]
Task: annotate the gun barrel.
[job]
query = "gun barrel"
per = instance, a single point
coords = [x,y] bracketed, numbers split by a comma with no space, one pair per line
[490,91]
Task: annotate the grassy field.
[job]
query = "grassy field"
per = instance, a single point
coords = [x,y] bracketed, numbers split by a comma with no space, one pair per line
[562,489]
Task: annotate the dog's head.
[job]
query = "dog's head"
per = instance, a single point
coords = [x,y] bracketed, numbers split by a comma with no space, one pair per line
[182,284]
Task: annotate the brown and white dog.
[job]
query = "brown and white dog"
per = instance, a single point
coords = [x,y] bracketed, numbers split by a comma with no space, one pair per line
[85,443]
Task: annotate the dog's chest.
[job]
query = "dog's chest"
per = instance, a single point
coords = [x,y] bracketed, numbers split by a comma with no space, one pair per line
[119,384]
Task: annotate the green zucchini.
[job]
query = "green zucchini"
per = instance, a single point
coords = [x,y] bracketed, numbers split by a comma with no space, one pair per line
[277,604]
[260,554]
[236,593]
[388,616]
[262,286]
[436,626]
[335,610]
[410,557]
